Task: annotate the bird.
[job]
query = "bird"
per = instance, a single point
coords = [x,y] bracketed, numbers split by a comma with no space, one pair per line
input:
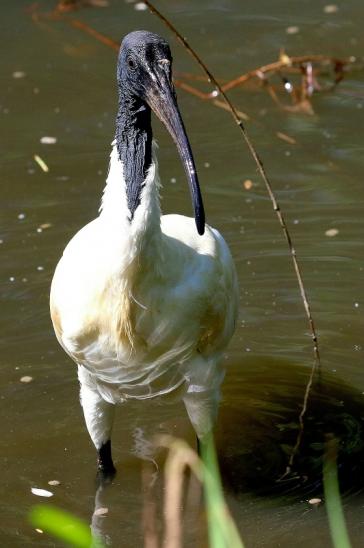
[144,303]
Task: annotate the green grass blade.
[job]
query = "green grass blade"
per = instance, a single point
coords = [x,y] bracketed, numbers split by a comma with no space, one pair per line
[63,526]
[222,529]
[334,509]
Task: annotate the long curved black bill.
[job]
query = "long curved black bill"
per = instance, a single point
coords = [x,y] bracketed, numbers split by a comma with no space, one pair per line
[163,102]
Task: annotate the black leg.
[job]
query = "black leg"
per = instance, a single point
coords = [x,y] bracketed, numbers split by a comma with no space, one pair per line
[198,446]
[105,467]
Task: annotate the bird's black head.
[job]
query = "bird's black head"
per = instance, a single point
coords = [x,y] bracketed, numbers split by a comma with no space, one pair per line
[144,60]
[144,75]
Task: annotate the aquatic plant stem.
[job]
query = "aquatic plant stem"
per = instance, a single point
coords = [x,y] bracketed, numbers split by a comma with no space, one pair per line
[276,208]
[334,509]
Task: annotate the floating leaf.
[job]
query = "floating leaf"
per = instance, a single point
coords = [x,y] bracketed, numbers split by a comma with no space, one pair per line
[41,492]
[286,138]
[26,379]
[48,140]
[331,232]
[54,482]
[41,163]
[315,501]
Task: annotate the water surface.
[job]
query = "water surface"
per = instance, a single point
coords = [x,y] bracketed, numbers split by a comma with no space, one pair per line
[68,91]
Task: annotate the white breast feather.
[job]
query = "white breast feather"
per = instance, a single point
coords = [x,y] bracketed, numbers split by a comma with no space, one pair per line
[144,305]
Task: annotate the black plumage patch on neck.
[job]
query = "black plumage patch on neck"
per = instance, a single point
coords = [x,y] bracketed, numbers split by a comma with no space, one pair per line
[134,144]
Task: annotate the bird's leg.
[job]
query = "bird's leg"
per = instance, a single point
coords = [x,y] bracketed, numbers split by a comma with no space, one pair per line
[105,466]
[201,408]
[99,416]
[198,446]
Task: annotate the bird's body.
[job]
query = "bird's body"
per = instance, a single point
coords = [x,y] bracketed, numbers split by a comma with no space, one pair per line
[142,303]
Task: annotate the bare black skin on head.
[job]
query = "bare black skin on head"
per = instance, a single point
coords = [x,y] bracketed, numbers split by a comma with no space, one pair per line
[144,75]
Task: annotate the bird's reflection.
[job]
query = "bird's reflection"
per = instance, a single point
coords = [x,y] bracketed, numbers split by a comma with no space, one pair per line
[145,450]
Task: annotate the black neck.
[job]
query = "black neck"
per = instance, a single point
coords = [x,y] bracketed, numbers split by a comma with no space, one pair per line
[134,144]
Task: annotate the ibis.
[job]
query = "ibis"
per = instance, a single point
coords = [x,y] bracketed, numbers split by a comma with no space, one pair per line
[145,303]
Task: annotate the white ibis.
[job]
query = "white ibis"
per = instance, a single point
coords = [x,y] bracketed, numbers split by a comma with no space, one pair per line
[145,304]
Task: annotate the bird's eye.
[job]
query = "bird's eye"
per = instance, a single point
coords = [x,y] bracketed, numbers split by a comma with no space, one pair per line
[131,63]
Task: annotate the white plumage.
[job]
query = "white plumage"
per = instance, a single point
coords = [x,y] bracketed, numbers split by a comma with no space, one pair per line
[144,307]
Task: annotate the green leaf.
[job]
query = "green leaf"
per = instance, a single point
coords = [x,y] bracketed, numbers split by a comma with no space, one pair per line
[63,526]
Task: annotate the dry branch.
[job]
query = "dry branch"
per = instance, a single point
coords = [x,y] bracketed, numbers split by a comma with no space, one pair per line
[276,207]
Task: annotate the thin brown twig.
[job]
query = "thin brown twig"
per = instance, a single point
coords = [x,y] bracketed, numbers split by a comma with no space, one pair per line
[276,207]
[292,64]
[94,33]
[285,62]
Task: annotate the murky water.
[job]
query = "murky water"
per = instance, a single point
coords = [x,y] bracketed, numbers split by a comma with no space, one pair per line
[68,91]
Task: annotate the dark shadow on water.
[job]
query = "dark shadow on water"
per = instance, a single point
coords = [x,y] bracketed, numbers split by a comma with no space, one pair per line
[258,426]
[256,430]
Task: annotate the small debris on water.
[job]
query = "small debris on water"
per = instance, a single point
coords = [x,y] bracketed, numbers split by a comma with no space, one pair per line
[54,482]
[43,226]
[21,216]
[40,268]
[248,184]
[173,180]
[11,279]
[26,379]
[39,531]
[48,140]
[356,305]
[41,492]
[140,6]
[41,163]
[331,232]
[331,8]
[315,501]
[292,30]
[286,138]
[207,164]
[101,512]
[214,93]
[283,58]
[17,74]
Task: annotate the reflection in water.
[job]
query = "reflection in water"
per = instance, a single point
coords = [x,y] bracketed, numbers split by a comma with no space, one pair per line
[98,517]
[145,450]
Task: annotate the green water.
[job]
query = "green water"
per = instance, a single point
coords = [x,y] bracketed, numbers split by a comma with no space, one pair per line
[68,91]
